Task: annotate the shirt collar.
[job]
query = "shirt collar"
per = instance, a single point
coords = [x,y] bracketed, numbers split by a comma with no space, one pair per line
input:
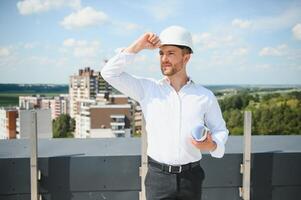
[166,80]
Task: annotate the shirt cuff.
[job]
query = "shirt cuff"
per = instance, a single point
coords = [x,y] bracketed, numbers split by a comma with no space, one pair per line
[219,150]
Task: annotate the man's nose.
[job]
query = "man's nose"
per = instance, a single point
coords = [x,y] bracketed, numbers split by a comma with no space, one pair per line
[164,58]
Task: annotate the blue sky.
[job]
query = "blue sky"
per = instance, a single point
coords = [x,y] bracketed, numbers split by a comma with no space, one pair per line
[235,42]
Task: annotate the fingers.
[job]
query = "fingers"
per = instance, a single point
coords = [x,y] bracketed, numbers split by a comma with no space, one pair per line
[209,136]
[157,43]
[198,144]
[193,141]
[154,39]
[207,145]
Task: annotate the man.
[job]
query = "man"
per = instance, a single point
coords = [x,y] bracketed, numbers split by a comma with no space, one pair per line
[172,107]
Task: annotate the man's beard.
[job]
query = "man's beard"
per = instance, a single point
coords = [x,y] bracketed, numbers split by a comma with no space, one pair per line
[172,69]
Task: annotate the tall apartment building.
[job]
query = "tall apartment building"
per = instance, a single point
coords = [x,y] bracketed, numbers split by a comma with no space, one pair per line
[86,85]
[104,86]
[8,118]
[82,119]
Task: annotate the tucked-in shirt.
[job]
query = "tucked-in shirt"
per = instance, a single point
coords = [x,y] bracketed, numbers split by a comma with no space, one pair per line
[170,116]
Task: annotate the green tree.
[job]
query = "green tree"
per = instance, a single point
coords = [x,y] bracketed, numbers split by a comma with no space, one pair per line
[63,126]
[272,114]
[295,94]
[238,101]
[234,121]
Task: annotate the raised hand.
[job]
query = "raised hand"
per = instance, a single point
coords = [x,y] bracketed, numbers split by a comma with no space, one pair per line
[146,41]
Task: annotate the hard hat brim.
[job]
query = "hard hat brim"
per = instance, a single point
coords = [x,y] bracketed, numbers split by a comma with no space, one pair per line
[179,46]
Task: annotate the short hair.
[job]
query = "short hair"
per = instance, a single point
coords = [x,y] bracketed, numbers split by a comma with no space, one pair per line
[185,49]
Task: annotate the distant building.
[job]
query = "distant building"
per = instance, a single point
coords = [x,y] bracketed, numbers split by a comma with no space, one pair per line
[44,123]
[116,118]
[104,86]
[8,118]
[82,119]
[109,116]
[30,102]
[58,105]
[99,110]
[86,85]
[138,120]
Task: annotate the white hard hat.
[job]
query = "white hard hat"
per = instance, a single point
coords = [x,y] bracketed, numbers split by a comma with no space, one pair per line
[176,35]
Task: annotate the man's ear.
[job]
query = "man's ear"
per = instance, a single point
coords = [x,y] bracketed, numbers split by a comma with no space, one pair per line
[186,58]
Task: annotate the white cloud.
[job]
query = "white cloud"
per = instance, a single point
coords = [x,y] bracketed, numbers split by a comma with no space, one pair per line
[274,51]
[69,42]
[40,60]
[291,66]
[286,19]
[263,66]
[240,51]
[210,41]
[161,10]
[125,27]
[87,51]
[84,17]
[82,48]
[28,7]
[241,23]
[297,31]
[131,26]
[30,45]
[4,52]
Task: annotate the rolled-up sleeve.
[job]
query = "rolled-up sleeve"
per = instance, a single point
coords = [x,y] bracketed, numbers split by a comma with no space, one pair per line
[217,126]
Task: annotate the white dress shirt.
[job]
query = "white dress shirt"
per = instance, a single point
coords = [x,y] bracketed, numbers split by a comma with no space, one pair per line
[170,116]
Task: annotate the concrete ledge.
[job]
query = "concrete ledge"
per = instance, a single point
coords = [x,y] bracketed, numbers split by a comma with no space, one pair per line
[109,168]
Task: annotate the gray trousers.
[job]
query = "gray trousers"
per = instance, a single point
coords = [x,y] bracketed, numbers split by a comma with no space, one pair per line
[161,185]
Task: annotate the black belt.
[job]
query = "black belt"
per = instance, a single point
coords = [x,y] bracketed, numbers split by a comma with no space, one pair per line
[174,169]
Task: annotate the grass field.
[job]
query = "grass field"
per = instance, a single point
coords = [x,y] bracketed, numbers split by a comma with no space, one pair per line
[12,99]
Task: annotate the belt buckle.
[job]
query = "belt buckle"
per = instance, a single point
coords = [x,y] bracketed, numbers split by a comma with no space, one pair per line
[170,169]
